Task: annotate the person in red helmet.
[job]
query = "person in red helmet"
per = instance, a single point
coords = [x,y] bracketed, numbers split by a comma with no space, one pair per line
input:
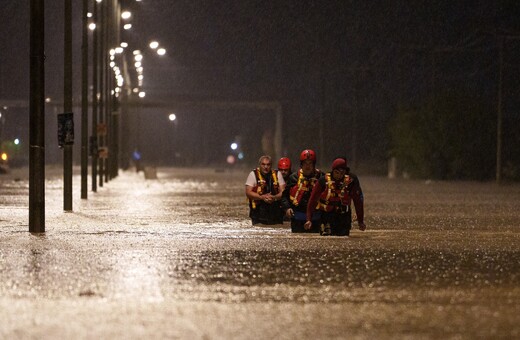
[333,194]
[264,188]
[297,193]
[284,166]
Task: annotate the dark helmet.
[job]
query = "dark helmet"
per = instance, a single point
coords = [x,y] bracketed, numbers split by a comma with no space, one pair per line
[284,163]
[308,154]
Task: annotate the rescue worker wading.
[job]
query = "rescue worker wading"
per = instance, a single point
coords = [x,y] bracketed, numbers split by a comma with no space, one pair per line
[298,192]
[333,193]
[264,188]
[284,166]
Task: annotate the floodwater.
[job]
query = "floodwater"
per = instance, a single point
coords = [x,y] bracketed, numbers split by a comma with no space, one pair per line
[177,257]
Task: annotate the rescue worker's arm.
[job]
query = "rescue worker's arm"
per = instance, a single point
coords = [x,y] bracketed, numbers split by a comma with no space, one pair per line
[278,196]
[311,205]
[252,195]
[286,200]
[357,197]
[282,185]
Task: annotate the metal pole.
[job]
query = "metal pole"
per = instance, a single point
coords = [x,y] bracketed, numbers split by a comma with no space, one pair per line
[67,106]
[84,101]
[499,109]
[37,119]
[102,72]
[95,58]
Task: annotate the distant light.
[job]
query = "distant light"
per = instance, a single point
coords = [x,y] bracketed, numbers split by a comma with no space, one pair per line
[16,141]
[142,94]
[4,156]
[135,90]
[89,15]
[126,15]
[154,45]
[124,44]
[240,155]
[92,26]
[234,146]
[136,52]
[138,57]
[161,51]
[119,50]
[48,99]
[230,159]
[172,117]
[112,51]
[127,26]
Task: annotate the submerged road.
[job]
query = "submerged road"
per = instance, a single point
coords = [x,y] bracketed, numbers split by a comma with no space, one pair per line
[177,257]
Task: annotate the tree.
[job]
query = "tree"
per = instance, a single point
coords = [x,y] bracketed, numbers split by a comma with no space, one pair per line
[448,137]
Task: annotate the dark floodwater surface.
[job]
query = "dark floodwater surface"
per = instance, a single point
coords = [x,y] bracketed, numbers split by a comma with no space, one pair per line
[439,260]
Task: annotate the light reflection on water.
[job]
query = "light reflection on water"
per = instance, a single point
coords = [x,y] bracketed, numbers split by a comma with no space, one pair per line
[451,249]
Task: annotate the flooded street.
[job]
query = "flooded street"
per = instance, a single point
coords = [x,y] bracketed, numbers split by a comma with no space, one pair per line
[177,257]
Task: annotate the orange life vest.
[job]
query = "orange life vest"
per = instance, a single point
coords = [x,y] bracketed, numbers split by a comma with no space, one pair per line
[304,185]
[335,197]
[261,185]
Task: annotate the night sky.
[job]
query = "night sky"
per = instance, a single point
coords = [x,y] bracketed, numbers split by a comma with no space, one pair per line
[323,60]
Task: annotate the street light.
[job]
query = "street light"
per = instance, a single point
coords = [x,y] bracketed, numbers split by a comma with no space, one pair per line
[126,15]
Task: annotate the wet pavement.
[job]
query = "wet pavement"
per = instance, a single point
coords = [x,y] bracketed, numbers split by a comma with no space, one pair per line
[177,257]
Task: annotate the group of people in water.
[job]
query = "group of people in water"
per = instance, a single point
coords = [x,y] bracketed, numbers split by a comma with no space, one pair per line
[313,201]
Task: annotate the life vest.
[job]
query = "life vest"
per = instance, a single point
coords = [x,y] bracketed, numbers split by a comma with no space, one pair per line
[261,186]
[335,197]
[303,186]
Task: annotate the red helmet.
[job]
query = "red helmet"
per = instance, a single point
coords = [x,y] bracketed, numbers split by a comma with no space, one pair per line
[308,154]
[284,163]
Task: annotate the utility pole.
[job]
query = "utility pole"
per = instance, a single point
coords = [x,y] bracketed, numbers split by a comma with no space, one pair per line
[37,119]
[84,101]
[95,73]
[499,108]
[67,106]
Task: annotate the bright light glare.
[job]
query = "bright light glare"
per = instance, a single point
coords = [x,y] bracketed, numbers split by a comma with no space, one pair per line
[92,26]
[172,117]
[126,15]
[161,51]
[127,26]
[138,57]
[234,146]
[154,45]
[16,141]
[124,44]
[142,94]
[4,156]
